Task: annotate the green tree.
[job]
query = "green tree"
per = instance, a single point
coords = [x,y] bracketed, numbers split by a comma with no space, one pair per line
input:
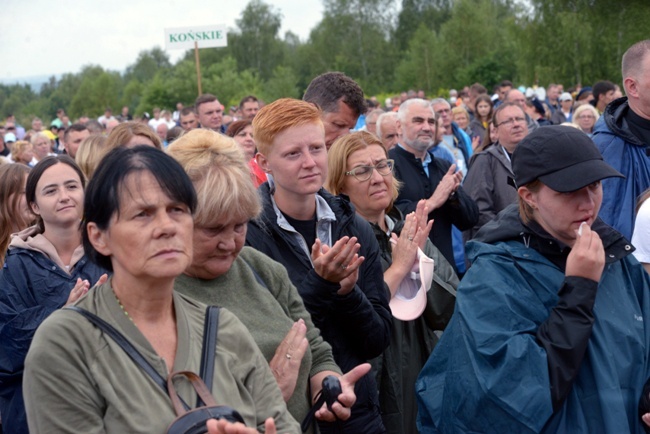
[430,13]
[257,46]
[419,69]
[229,85]
[478,34]
[281,85]
[353,37]
[98,90]
[148,63]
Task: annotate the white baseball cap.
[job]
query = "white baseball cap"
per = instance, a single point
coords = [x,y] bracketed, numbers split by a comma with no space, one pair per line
[410,299]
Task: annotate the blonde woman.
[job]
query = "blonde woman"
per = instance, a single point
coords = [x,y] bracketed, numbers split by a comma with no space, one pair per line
[91,150]
[585,117]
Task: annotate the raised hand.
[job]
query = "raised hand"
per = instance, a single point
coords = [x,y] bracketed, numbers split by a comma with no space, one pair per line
[285,364]
[447,185]
[79,290]
[339,263]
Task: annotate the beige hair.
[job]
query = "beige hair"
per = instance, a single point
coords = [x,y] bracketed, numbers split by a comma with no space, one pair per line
[216,166]
[122,134]
[91,151]
[18,149]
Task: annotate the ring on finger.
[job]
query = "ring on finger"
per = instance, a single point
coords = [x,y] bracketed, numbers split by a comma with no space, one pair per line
[288,356]
[345,267]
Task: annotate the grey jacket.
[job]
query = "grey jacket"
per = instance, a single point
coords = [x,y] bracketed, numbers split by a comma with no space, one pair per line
[487,183]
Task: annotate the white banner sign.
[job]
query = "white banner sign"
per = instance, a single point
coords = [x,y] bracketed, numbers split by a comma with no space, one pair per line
[205,36]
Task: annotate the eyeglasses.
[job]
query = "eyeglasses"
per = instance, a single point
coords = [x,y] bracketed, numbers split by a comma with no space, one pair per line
[510,122]
[586,117]
[363,173]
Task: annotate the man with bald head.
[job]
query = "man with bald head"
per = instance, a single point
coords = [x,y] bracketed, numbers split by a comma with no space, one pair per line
[622,135]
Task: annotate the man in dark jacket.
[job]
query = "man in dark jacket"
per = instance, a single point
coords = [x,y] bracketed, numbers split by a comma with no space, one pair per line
[487,179]
[622,135]
[427,177]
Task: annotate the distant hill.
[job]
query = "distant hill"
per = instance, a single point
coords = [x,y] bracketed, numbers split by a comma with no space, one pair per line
[35,82]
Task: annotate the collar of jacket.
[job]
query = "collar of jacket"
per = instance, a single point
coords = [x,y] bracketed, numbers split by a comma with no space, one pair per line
[508,226]
[342,210]
[613,122]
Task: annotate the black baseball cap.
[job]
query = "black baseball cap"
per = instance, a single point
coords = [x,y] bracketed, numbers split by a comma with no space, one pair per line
[562,157]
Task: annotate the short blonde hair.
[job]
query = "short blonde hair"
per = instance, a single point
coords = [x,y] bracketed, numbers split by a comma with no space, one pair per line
[124,132]
[582,108]
[279,116]
[216,166]
[458,110]
[337,161]
[18,149]
[91,151]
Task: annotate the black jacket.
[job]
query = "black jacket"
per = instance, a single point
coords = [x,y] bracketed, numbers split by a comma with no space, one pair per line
[460,210]
[356,325]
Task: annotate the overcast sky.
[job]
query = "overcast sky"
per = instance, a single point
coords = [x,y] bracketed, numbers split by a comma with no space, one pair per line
[39,37]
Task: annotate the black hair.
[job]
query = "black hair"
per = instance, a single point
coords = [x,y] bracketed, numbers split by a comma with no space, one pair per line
[102,199]
[601,88]
[327,89]
[249,98]
[35,176]
[74,127]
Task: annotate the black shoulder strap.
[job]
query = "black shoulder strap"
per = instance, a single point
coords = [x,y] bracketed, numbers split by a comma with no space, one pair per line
[211,327]
[257,276]
[127,346]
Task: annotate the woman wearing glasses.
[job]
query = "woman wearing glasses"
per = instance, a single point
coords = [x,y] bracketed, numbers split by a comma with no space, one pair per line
[585,117]
[330,253]
[359,168]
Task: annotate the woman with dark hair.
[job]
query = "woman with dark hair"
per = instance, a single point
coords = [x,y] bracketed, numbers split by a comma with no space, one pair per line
[138,223]
[242,132]
[15,214]
[483,109]
[422,298]
[45,269]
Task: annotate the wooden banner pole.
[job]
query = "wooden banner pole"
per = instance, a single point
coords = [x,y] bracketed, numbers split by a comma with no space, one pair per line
[198,66]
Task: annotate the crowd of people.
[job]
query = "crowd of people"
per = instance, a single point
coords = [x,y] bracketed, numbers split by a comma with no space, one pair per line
[467,263]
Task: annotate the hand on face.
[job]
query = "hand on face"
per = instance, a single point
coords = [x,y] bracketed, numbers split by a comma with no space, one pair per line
[587,257]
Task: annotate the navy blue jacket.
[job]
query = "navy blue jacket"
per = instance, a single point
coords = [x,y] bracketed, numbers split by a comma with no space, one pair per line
[356,325]
[31,287]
